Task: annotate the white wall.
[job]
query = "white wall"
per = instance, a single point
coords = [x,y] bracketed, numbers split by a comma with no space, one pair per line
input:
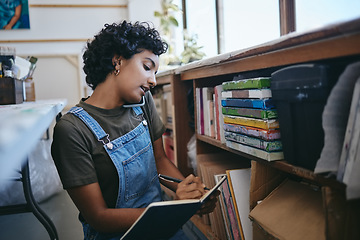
[143,11]
[57,36]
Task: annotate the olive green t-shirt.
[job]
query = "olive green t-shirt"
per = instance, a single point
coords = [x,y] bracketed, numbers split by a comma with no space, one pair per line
[81,159]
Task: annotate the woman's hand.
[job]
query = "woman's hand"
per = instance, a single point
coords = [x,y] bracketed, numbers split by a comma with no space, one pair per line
[193,188]
[190,188]
[210,204]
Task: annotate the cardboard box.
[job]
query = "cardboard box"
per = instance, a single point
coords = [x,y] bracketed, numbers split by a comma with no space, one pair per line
[263,181]
[292,211]
[11,91]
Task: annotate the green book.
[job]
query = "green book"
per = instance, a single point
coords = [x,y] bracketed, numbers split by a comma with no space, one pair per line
[250,112]
[251,83]
[268,146]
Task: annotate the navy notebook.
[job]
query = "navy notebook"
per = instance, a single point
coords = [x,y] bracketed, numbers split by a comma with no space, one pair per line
[161,220]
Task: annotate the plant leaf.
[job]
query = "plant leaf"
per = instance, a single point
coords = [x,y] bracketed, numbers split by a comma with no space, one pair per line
[157,14]
[173,21]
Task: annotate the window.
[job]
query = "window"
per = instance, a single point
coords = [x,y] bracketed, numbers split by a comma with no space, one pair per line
[241,23]
[312,14]
[249,23]
[201,20]
[229,25]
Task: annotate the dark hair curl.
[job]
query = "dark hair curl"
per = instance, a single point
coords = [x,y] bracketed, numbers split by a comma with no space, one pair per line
[124,39]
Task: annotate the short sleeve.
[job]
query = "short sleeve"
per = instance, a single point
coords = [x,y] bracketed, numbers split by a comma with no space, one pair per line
[71,154]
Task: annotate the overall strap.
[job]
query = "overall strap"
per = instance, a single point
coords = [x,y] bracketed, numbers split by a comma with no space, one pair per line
[137,110]
[92,124]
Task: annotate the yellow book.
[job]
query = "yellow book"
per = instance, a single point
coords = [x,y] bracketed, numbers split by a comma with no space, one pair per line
[252,122]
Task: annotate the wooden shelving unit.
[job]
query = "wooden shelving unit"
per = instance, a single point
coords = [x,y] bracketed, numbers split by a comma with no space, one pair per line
[340,42]
[181,118]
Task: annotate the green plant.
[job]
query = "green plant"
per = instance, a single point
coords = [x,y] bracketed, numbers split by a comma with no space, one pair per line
[191,49]
[167,24]
[167,20]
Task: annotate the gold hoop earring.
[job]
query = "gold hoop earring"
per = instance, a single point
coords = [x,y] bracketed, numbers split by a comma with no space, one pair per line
[117,67]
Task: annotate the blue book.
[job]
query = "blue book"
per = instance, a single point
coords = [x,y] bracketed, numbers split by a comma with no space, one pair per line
[248,103]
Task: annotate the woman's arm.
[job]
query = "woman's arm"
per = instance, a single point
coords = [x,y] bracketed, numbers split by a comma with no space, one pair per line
[190,188]
[15,18]
[90,202]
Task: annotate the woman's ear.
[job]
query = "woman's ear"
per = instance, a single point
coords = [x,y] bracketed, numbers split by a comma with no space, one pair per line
[115,60]
[116,63]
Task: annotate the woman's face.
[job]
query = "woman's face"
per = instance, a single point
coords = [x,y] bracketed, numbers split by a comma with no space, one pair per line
[137,75]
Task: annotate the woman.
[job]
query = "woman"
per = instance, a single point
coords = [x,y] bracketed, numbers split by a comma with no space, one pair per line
[108,149]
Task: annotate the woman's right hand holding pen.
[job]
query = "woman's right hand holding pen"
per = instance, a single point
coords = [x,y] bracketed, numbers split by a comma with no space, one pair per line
[190,188]
[193,188]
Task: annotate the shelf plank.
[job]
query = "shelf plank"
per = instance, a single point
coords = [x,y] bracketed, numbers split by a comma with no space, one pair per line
[169,126]
[164,79]
[280,165]
[324,49]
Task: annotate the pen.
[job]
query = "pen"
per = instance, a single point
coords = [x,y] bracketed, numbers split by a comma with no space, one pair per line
[171,179]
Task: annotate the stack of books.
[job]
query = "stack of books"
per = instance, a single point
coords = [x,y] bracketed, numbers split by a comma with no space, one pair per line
[250,118]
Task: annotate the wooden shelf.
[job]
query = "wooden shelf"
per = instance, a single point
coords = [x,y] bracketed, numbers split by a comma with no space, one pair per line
[280,165]
[163,80]
[169,126]
[338,42]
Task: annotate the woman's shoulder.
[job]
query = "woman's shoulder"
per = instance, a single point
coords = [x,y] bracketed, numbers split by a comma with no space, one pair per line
[67,123]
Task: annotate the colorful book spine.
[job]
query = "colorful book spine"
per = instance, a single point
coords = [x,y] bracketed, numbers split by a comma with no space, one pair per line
[217,99]
[248,103]
[269,146]
[255,83]
[252,122]
[207,97]
[220,116]
[269,156]
[199,111]
[239,182]
[231,211]
[250,112]
[270,134]
[224,208]
[248,93]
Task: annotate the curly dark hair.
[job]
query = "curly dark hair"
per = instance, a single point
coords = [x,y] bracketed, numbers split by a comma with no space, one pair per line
[124,39]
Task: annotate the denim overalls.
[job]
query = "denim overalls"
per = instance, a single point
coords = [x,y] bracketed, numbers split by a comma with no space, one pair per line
[132,155]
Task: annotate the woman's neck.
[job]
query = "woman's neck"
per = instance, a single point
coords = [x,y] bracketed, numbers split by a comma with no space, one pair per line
[104,96]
